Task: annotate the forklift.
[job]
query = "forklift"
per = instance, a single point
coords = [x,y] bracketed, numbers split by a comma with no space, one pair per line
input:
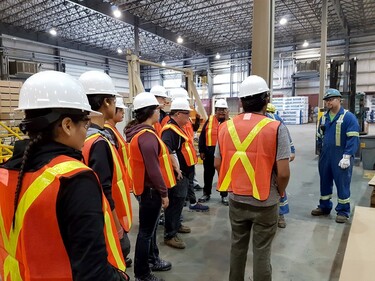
[352,100]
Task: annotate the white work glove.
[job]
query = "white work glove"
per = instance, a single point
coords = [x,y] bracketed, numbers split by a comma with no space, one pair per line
[345,161]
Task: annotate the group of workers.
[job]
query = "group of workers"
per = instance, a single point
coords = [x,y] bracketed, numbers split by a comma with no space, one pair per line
[65,192]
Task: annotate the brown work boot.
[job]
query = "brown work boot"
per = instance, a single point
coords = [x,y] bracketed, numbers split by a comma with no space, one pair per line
[184,229]
[175,242]
[318,212]
[341,219]
[281,222]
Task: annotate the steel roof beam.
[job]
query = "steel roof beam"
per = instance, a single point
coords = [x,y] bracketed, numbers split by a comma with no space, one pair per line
[105,9]
[340,14]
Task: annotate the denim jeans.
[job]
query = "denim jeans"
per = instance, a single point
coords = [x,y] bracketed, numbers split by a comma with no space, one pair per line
[149,212]
[172,214]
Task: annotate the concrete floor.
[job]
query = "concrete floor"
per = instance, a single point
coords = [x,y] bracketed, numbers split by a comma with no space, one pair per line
[308,249]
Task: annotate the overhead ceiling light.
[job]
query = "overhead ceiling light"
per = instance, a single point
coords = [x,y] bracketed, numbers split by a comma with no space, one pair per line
[163,63]
[117,13]
[53,31]
[180,40]
[217,56]
[305,44]
[119,50]
[283,21]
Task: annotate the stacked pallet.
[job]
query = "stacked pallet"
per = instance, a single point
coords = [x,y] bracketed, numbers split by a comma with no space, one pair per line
[293,110]
[9,94]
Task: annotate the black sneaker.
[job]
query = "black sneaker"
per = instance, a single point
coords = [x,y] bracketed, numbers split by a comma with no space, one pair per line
[128,262]
[150,277]
[161,265]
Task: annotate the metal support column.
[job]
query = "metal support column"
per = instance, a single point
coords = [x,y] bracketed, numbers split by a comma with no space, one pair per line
[263,39]
[3,74]
[323,54]
[346,66]
[136,36]
[210,78]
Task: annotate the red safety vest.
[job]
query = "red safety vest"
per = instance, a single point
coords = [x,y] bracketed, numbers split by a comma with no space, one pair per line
[212,128]
[137,162]
[187,147]
[120,189]
[33,249]
[248,146]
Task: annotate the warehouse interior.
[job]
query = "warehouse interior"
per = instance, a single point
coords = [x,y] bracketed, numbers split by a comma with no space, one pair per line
[213,41]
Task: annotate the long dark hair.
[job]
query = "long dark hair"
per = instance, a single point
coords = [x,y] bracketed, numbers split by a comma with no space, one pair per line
[40,124]
[141,115]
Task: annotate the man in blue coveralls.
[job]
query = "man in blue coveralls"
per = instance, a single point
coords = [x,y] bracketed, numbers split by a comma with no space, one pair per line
[338,141]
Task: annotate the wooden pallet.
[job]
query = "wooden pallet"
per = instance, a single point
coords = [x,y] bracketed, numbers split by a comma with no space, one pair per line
[9,96]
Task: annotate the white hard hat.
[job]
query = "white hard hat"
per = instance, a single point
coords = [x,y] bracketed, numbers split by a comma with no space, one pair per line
[179,93]
[144,99]
[180,104]
[53,89]
[222,103]
[253,85]
[120,103]
[159,91]
[98,83]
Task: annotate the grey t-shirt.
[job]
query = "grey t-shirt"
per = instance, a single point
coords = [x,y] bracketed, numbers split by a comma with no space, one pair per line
[283,152]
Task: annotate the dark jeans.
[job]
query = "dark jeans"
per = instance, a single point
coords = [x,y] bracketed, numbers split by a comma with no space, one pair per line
[191,193]
[172,214]
[146,247]
[208,175]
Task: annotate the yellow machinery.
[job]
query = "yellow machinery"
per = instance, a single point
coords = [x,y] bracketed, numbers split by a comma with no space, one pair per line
[8,136]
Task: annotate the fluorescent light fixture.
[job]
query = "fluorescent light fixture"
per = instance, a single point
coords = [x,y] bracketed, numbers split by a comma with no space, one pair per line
[283,21]
[163,63]
[119,50]
[305,44]
[53,31]
[117,13]
[217,56]
[180,40]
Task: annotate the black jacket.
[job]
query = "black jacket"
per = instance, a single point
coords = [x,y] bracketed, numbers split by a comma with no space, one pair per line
[78,210]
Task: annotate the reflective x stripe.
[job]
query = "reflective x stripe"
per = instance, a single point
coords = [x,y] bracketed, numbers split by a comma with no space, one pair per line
[240,154]
[326,197]
[344,201]
[31,194]
[338,128]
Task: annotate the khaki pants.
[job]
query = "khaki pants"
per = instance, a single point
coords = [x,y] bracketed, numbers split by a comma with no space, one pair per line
[263,221]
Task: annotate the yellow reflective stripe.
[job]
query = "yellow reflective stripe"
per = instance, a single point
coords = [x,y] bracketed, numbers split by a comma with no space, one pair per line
[241,154]
[326,197]
[190,153]
[168,167]
[111,238]
[282,204]
[344,201]
[209,131]
[187,147]
[10,264]
[120,181]
[338,128]
[352,134]
[28,198]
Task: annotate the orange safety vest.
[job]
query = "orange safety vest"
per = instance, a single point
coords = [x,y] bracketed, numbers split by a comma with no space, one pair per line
[187,147]
[33,249]
[252,139]
[120,189]
[212,128]
[137,162]
[123,151]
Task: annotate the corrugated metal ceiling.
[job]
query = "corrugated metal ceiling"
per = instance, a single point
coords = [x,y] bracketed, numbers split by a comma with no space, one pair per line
[207,26]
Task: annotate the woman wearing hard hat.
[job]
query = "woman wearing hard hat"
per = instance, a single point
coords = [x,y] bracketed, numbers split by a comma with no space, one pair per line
[150,158]
[55,222]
